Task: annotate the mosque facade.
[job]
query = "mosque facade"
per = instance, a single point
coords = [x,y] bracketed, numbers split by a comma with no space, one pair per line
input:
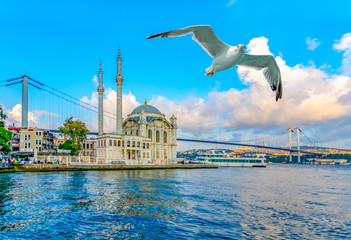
[146,136]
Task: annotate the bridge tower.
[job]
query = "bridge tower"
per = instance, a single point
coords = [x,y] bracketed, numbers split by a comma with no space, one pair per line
[25,101]
[297,139]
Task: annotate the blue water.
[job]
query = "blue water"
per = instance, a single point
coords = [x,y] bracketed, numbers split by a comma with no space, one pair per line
[279,202]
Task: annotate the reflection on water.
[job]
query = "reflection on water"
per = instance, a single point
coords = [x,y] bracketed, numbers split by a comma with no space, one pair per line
[279,202]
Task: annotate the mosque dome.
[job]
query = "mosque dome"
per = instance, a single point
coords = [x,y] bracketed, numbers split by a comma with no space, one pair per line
[147,109]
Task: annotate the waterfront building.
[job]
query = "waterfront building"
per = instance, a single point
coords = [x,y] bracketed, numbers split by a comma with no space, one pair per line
[88,148]
[15,141]
[59,141]
[144,137]
[40,139]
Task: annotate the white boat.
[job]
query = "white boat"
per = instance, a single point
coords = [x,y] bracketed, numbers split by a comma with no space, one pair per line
[222,159]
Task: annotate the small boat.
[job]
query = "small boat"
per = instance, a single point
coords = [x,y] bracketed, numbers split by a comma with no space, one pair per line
[222,159]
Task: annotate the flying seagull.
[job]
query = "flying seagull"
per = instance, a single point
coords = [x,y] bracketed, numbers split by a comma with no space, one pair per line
[226,56]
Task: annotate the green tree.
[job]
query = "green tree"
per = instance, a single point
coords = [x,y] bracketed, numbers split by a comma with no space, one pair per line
[76,131]
[68,146]
[5,135]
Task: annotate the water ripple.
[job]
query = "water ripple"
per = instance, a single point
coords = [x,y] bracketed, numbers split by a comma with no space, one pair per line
[279,202]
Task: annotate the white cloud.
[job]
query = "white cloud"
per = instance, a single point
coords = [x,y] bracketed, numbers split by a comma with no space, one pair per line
[312,44]
[14,116]
[311,98]
[344,45]
[231,2]
[95,80]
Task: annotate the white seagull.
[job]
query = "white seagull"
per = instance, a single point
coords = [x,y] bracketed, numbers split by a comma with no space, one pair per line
[226,56]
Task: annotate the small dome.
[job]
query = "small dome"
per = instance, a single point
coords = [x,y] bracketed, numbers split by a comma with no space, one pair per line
[147,109]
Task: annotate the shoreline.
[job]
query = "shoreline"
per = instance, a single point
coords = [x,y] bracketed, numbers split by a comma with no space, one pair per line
[100,167]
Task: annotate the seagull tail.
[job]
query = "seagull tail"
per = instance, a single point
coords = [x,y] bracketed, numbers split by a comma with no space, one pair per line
[209,70]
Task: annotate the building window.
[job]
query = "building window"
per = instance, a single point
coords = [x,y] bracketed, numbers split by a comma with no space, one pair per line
[25,145]
[144,145]
[110,143]
[157,136]
[39,149]
[150,134]
[148,155]
[147,146]
[128,143]
[28,137]
[138,144]
[131,132]
[137,132]
[28,145]
[126,133]
[114,143]
[88,145]
[164,137]
[143,155]
[104,143]
[36,141]
[133,144]
[119,143]
[157,154]
[25,137]
[122,143]
[83,145]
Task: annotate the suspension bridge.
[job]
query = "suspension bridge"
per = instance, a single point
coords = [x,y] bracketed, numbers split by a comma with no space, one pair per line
[46,107]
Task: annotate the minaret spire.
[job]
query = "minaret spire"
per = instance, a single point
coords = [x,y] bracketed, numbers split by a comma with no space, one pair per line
[100,90]
[119,81]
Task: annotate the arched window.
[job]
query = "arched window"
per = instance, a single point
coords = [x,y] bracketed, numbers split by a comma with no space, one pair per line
[157,136]
[122,143]
[114,143]
[164,137]
[137,132]
[138,144]
[131,132]
[144,145]
[128,143]
[147,146]
[150,134]
[119,143]
[133,144]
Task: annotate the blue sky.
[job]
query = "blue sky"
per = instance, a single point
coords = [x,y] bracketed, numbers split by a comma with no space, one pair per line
[61,43]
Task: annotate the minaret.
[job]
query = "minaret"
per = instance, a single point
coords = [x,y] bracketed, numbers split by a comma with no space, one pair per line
[119,81]
[174,136]
[100,90]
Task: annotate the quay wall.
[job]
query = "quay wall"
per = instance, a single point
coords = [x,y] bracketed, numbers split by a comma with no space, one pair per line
[86,167]
[6,170]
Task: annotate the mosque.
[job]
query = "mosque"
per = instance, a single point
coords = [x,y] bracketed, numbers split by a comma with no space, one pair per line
[146,136]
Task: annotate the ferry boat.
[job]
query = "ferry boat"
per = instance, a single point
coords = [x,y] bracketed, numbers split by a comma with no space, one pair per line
[222,159]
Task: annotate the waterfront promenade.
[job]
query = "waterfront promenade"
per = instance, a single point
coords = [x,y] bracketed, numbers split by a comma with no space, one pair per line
[102,167]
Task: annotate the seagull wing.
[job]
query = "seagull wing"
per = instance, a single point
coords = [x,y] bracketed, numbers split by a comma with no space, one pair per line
[270,70]
[203,35]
